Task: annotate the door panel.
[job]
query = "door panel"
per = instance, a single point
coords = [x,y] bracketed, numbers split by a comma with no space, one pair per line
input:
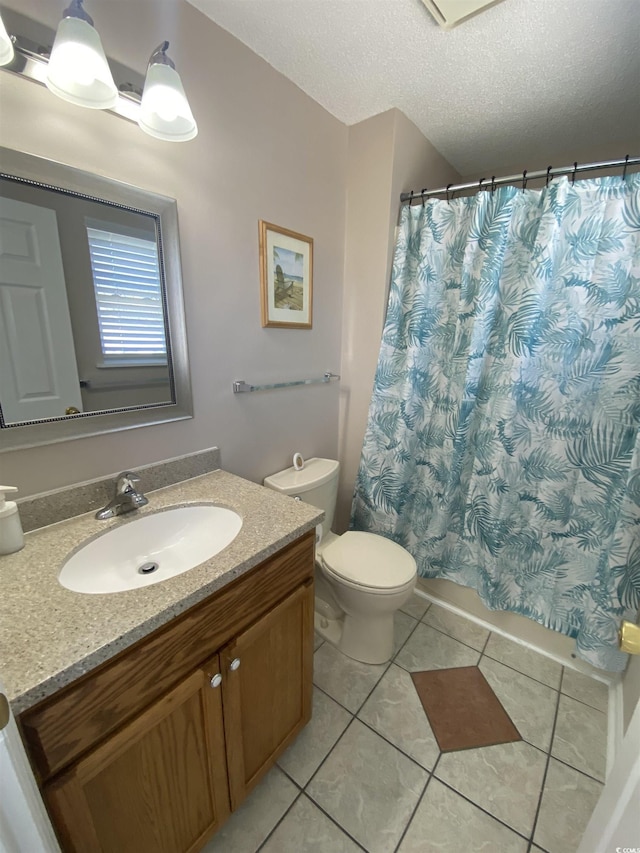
[158,786]
[267,699]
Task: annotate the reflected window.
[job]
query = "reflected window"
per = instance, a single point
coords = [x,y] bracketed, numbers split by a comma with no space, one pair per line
[128,292]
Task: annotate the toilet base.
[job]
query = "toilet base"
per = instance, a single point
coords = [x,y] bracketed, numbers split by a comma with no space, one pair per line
[329,629]
[367,640]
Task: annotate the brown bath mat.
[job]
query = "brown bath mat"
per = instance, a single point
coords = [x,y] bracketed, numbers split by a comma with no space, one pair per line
[462,709]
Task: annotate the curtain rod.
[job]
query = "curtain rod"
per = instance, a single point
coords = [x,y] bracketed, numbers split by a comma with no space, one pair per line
[490,183]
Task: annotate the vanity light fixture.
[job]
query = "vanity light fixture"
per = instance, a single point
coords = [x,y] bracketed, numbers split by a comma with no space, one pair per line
[164,111]
[6,45]
[78,70]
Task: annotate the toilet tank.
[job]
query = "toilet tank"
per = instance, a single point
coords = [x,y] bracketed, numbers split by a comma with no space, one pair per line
[315,484]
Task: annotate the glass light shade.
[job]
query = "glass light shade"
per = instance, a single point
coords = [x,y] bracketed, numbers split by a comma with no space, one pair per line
[164,111]
[6,46]
[78,70]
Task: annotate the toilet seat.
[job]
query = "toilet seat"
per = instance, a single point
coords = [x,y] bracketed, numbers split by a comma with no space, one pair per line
[368,561]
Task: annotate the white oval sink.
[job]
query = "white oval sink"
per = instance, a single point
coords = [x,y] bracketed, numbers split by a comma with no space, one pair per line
[150,549]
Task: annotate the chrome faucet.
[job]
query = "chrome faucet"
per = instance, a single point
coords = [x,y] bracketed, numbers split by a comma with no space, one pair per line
[126,498]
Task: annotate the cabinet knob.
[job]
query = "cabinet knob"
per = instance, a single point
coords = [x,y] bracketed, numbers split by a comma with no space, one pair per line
[216,681]
[235,663]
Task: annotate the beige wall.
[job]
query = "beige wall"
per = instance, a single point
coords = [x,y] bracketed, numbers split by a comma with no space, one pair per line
[387,155]
[582,153]
[265,150]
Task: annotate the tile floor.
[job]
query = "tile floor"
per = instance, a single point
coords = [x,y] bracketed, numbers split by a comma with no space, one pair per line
[367,774]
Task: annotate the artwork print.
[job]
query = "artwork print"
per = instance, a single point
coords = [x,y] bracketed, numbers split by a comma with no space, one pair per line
[286,272]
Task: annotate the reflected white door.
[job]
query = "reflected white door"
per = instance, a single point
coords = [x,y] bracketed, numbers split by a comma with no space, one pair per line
[38,370]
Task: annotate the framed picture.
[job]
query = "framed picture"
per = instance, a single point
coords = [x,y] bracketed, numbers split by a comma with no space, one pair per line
[286,277]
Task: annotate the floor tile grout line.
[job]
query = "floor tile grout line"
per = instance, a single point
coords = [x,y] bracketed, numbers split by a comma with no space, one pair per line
[337,701]
[485,656]
[317,770]
[481,808]
[577,769]
[435,669]
[532,845]
[302,793]
[450,636]
[354,713]
[286,812]
[333,821]
[289,777]
[515,669]
[419,618]
[582,702]
[546,769]
[413,812]
[395,746]
[486,643]
[310,796]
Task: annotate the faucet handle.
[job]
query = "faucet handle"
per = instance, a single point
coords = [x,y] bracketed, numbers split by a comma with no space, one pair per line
[125,482]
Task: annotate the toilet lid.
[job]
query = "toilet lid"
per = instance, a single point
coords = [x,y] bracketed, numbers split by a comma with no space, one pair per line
[369,560]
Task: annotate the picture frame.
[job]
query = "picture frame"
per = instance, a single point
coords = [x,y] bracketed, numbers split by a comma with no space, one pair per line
[286,277]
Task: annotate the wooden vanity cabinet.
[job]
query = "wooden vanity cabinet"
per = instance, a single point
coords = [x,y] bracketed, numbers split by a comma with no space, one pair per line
[167,777]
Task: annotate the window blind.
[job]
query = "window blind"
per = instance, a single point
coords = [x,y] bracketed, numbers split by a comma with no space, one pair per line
[126,279]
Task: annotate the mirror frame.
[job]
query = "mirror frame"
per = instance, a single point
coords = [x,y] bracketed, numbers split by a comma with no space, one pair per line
[55,175]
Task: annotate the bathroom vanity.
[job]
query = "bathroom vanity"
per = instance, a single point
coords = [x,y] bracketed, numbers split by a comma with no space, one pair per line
[174,700]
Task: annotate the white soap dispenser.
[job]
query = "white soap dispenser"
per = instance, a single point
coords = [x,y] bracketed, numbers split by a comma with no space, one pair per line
[11,535]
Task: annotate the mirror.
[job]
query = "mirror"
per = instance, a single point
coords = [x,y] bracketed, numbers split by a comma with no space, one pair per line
[92,330]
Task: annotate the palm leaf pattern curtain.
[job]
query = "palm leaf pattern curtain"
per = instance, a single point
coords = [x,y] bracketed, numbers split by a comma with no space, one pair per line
[502,443]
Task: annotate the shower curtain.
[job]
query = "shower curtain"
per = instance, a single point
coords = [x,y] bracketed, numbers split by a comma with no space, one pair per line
[502,444]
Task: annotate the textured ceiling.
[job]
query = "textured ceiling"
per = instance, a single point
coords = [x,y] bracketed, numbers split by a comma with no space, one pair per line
[523,80]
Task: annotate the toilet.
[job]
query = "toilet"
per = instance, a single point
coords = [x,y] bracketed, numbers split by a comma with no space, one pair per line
[362,579]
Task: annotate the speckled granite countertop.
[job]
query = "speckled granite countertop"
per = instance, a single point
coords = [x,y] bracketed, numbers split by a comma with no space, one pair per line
[49,635]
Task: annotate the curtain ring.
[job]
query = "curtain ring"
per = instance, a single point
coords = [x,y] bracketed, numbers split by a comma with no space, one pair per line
[480,182]
[422,194]
[549,176]
[624,169]
[411,198]
[524,180]
[493,184]
[447,192]
[575,169]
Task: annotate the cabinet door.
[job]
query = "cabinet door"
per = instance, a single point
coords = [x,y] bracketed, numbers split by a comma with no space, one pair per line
[157,786]
[267,689]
